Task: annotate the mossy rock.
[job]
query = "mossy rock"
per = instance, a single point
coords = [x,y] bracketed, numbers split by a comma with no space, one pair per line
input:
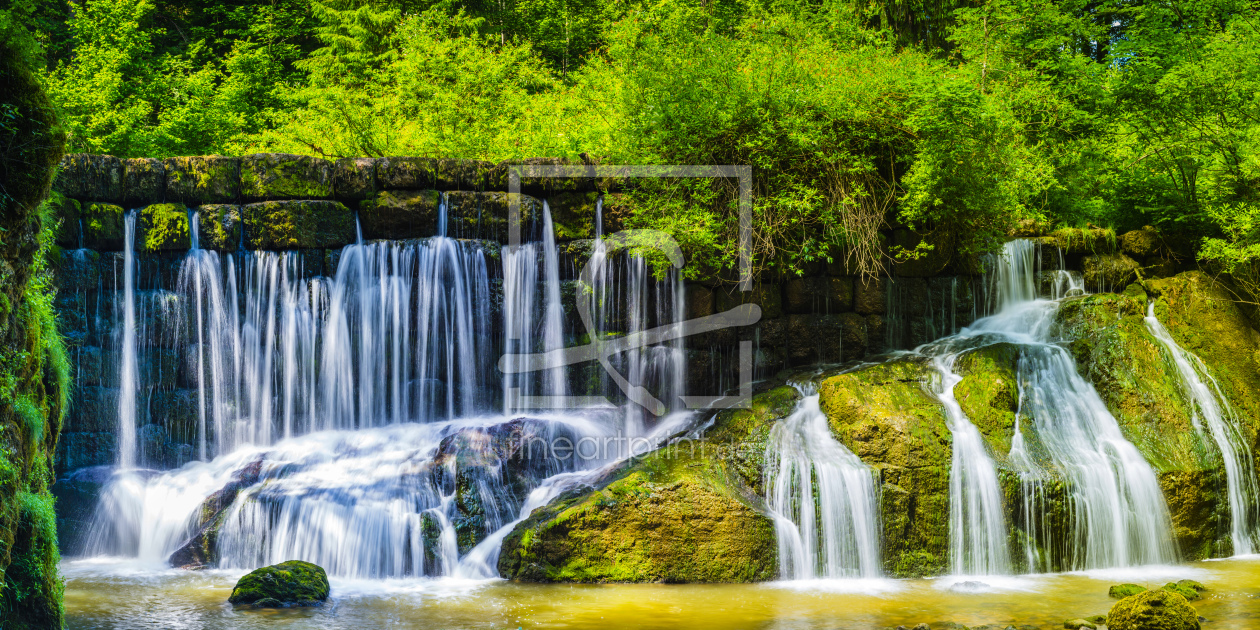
[103,226]
[202,179]
[270,176]
[1074,241]
[1121,591]
[689,512]
[91,178]
[1108,272]
[1134,376]
[400,214]
[485,215]
[66,212]
[1188,592]
[1079,624]
[144,181]
[672,516]
[1153,610]
[163,226]
[1197,587]
[219,227]
[298,224]
[573,214]
[292,583]
[989,393]
[883,414]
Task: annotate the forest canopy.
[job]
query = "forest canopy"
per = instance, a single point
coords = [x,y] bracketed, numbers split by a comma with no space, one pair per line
[971,117]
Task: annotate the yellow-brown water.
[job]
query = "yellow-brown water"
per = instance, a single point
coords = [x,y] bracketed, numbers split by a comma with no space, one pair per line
[105,594]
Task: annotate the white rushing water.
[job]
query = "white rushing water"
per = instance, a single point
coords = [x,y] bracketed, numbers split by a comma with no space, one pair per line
[355,420]
[822,498]
[128,372]
[1209,405]
[1117,511]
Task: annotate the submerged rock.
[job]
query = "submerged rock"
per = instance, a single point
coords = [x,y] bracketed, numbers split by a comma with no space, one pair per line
[292,583]
[1153,610]
[202,550]
[1121,591]
[1078,624]
[1186,591]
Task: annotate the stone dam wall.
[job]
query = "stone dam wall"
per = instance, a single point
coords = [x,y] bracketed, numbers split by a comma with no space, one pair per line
[314,208]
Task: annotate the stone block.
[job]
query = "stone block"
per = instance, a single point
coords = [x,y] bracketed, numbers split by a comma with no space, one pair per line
[406,173]
[699,301]
[103,226]
[271,176]
[79,450]
[218,227]
[162,226]
[868,296]
[484,215]
[297,224]
[90,178]
[203,179]
[144,181]
[929,263]
[766,295]
[398,214]
[68,213]
[573,214]
[853,336]
[96,410]
[354,178]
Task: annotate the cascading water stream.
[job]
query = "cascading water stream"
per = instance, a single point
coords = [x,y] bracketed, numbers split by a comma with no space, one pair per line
[822,497]
[128,373]
[1210,406]
[1118,514]
[349,420]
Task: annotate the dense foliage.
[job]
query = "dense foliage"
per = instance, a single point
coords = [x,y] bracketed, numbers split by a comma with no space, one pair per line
[963,116]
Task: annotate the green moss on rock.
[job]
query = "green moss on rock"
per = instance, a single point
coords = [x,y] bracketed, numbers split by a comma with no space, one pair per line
[1121,591]
[298,224]
[400,214]
[292,583]
[203,179]
[163,226]
[690,512]
[103,227]
[270,176]
[1187,592]
[883,414]
[1153,610]
[989,393]
[219,227]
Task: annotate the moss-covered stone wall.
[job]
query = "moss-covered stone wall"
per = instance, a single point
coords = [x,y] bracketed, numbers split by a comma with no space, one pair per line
[34,370]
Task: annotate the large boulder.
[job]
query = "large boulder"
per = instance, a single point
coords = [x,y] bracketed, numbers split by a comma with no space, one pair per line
[1108,272]
[298,224]
[689,512]
[268,176]
[292,583]
[1153,610]
[884,415]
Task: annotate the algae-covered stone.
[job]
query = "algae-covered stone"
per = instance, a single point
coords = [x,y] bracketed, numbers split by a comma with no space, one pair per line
[103,226]
[672,516]
[486,215]
[292,583]
[163,226]
[1129,369]
[267,176]
[1108,271]
[297,224]
[689,512]
[869,296]
[354,178]
[573,214]
[1153,610]
[1083,240]
[406,173]
[1197,587]
[90,177]
[219,227]
[400,214]
[144,181]
[1188,592]
[203,179]
[989,392]
[1121,591]
[765,295]
[1140,243]
[883,414]
[1078,624]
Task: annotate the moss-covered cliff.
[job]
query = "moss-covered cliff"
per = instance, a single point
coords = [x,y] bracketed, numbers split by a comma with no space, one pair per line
[34,371]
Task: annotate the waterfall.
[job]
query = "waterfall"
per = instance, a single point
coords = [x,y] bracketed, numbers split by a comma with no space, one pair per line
[822,498]
[1209,405]
[977,523]
[128,373]
[1117,511]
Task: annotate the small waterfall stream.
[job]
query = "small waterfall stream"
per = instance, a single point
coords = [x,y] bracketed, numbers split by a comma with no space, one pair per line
[1209,405]
[823,499]
[129,376]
